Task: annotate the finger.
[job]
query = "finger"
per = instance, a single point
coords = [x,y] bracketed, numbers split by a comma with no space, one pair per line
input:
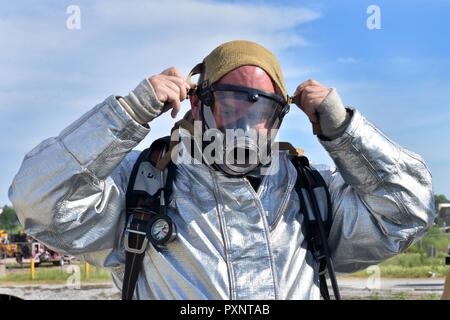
[317,96]
[175,88]
[176,107]
[183,93]
[173,98]
[180,87]
[313,100]
[320,95]
[183,86]
[172,71]
[315,83]
[311,92]
[160,91]
[297,97]
[312,89]
[304,97]
[304,84]
[307,83]
[182,83]
[178,80]
[298,90]
[168,92]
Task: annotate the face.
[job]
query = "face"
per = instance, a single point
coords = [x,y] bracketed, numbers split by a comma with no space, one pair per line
[246,76]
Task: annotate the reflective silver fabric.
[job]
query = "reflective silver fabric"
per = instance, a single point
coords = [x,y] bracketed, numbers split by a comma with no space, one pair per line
[233,242]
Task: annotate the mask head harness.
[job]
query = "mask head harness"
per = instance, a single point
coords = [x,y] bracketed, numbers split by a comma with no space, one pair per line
[250,112]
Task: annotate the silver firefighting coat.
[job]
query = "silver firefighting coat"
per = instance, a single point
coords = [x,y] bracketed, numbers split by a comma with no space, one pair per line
[233,242]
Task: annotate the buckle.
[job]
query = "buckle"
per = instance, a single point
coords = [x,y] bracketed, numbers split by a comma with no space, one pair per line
[128,230]
[324,271]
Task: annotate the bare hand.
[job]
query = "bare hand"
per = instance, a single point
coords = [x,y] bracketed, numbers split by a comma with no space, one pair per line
[309,95]
[170,88]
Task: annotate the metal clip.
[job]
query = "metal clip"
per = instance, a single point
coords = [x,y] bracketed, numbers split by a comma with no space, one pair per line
[128,230]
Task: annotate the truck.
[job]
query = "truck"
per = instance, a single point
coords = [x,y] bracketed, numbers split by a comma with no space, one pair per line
[30,248]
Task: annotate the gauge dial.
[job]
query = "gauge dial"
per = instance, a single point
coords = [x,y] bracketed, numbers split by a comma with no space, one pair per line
[160,229]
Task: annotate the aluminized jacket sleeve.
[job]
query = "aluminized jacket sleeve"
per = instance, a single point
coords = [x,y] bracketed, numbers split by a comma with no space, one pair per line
[70,194]
[381,196]
[70,190]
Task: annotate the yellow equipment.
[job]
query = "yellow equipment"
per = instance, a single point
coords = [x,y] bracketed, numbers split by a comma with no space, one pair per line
[10,249]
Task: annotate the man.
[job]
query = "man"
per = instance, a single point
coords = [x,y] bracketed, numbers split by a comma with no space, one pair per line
[235,239]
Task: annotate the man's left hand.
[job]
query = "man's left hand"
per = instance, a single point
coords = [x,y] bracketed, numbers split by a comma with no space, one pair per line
[324,108]
[311,94]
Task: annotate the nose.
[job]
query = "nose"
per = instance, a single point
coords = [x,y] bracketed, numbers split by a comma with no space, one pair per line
[242,123]
[261,127]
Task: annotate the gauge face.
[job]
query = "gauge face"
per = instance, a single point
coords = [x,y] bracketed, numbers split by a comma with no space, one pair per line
[160,229]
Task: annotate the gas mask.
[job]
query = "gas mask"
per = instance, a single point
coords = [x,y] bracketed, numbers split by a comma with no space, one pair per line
[244,121]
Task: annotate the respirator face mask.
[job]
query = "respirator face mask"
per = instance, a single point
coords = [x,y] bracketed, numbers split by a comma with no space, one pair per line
[245,121]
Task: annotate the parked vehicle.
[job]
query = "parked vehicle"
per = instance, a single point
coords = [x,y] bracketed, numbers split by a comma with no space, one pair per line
[41,254]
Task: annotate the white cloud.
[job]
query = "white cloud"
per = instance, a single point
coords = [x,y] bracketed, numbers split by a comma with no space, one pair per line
[185,26]
[51,75]
[194,17]
[121,42]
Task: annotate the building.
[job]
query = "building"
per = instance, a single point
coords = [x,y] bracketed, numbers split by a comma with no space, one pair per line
[444,213]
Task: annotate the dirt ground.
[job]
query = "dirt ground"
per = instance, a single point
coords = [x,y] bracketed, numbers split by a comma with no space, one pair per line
[351,288]
[103,291]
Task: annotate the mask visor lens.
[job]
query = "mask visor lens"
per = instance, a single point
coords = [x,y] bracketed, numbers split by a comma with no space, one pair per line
[241,110]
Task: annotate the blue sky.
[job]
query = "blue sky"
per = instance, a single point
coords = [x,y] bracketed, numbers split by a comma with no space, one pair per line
[398,77]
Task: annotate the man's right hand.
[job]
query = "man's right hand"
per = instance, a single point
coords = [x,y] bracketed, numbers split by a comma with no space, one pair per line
[170,88]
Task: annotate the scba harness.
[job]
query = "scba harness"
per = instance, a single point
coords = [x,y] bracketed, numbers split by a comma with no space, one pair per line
[147,220]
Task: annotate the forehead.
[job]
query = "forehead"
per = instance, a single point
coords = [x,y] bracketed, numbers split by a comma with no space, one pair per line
[249,76]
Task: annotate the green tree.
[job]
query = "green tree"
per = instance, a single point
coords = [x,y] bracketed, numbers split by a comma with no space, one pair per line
[9,220]
[440,198]
[435,236]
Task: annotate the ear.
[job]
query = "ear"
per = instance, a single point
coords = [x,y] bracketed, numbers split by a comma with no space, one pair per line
[195,105]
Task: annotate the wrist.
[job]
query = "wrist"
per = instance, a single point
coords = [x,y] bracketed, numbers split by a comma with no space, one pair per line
[143,103]
[333,116]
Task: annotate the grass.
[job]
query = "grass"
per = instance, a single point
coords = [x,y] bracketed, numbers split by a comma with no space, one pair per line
[410,265]
[56,275]
[402,296]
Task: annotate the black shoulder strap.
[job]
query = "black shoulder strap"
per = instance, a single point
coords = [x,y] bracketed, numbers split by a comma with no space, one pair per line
[140,206]
[315,205]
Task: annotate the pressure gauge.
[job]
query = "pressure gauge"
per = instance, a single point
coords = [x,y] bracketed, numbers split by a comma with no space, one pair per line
[161,230]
